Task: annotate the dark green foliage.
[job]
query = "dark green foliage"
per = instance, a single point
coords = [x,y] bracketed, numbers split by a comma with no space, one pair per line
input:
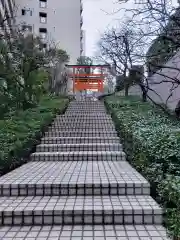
[152,143]
[165,46]
[83,60]
[135,77]
[21,76]
[20,131]
[120,82]
[23,72]
[159,53]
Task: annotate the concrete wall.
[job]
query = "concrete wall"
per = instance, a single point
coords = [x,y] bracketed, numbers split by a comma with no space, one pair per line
[63,22]
[135,90]
[162,90]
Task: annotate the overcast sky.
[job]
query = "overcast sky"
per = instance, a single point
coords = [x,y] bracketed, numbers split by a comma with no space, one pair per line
[98,15]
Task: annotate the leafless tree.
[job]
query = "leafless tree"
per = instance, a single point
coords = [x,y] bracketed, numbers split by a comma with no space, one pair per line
[153,39]
[159,21]
[124,47]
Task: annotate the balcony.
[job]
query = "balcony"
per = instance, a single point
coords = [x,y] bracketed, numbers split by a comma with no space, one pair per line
[81,47]
[81,21]
[81,34]
[81,7]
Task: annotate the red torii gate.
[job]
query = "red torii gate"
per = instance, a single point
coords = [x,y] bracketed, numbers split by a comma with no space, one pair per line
[87,81]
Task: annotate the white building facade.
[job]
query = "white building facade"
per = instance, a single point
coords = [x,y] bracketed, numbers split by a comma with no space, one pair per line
[83,41]
[57,22]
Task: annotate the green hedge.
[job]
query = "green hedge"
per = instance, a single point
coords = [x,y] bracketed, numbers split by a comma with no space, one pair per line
[152,144]
[21,131]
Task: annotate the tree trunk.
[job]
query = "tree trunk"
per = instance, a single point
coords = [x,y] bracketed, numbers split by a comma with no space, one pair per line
[144,97]
[126,90]
[144,93]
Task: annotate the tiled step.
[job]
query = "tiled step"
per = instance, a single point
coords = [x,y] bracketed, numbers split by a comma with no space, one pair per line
[91,104]
[79,147]
[77,133]
[79,210]
[86,109]
[84,232]
[76,140]
[80,121]
[85,131]
[81,156]
[86,106]
[84,117]
[99,110]
[82,112]
[97,105]
[82,102]
[85,124]
[74,178]
[80,127]
[92,110]
[87,115]
[86,102]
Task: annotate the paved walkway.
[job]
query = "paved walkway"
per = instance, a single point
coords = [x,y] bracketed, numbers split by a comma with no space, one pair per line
[78,185]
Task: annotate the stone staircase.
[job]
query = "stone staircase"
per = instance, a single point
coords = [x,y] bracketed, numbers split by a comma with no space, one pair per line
[78,185]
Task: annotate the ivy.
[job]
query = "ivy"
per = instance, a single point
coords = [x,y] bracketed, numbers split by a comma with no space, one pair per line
[22,131]
[152,142]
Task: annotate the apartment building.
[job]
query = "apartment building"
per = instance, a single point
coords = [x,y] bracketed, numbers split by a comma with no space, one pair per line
[7,17]
[55,21]
[83,40]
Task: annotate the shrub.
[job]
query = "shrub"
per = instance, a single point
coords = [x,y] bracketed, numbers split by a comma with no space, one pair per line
[25,71]
[152,142]
[21,131]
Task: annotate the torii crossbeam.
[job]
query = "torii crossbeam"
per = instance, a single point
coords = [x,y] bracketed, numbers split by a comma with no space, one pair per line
[84,78]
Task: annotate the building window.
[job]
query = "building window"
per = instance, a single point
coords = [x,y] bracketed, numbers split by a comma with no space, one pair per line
[43,17]
[26,12]
[44,45]
[26,28]
[43,3]
[43,33]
